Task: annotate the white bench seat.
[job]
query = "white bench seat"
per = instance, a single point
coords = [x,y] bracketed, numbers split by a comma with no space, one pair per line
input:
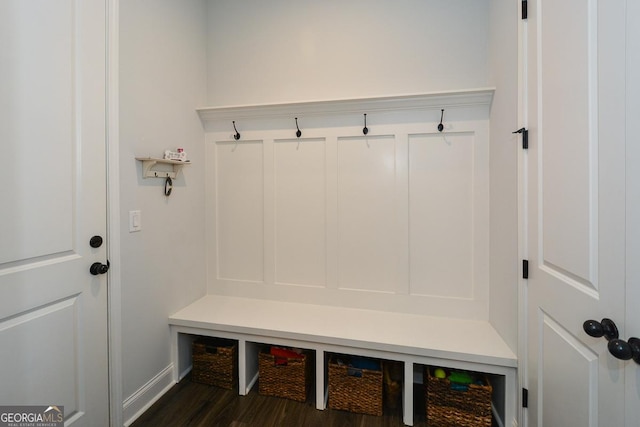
[448,338]
[414,339]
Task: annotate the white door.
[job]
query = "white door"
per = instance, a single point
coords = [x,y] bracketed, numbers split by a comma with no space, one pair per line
[633,208]
[576,210]
[53,312]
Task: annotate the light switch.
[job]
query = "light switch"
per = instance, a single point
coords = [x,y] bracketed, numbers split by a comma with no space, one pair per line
[135,221]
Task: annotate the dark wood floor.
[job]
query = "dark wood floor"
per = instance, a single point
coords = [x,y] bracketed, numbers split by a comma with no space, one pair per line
[198,405]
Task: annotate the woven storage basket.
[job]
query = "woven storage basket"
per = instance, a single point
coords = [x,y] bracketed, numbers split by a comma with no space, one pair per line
[215,362]
[361,394]
[289,378]
[447,407]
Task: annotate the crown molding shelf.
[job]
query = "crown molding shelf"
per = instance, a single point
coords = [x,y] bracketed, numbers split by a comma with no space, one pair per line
[426,101]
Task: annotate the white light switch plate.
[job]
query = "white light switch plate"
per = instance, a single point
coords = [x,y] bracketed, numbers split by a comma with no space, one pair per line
[135,221]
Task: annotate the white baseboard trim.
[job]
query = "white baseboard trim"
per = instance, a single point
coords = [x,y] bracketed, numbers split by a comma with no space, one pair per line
[136,404]
[252,382]
[185,372]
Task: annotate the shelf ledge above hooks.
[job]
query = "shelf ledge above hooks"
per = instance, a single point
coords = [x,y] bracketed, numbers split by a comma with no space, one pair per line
[149,162]
[439,100]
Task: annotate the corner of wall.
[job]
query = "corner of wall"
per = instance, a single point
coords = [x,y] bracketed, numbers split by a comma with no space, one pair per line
[503,54]
[162,79]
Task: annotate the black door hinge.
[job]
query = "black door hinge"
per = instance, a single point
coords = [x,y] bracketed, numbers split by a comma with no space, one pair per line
[525,269]
[525,398]
[524,9]
[525,138]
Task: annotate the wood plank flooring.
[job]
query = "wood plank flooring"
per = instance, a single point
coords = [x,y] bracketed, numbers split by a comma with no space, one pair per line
[197,405]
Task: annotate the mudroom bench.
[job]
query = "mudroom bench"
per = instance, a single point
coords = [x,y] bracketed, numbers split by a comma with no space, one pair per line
[415,340]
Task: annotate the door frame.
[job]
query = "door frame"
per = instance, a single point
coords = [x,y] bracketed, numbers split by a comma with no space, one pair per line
[114,305]
[523,225]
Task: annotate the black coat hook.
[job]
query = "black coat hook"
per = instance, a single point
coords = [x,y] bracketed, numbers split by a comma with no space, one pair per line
[237,135]
[298,132]
[441,126]
[365,130]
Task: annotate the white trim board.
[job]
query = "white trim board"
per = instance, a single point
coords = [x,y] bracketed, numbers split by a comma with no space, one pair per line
[425,101]
[114,278]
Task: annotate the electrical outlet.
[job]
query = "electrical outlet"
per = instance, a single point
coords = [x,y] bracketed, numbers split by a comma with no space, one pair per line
[135,221]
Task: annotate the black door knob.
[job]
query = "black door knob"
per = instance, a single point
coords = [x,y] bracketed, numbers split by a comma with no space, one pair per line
[625,350]
[605,328]
[95,242]
[99,268]
[620,349]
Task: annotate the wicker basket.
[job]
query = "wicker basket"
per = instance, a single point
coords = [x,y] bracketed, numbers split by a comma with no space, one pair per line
[289,378]
[448,407]
[360,393]
[215,362]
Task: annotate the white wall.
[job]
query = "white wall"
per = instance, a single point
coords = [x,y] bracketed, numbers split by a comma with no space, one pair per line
[503,167]
[282,51]
[162,80]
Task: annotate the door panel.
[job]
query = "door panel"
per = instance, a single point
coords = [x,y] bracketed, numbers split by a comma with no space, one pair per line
[52,372]
[53,313]
[575,209]
[37,105]
[567,391]
[565,96]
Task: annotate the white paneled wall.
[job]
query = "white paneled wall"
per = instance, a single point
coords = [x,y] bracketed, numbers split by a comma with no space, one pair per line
[240,218]
[393,220]
[367,221]
[441,214]
[300,212]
